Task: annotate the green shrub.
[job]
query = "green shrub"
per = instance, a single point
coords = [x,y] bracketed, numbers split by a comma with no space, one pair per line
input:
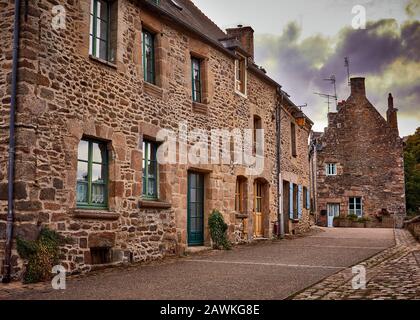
[352,217]
[41,255]
[218,229]
[363,219]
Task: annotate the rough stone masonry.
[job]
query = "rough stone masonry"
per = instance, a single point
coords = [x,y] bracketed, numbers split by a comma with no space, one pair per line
[65,95]
[367,154]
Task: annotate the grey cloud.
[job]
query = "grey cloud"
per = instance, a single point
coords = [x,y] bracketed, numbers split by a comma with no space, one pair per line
[300,66]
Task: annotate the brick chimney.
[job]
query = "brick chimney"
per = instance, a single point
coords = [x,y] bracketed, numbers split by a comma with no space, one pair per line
[391,114]
[245,35]
[358,86]
[341,105]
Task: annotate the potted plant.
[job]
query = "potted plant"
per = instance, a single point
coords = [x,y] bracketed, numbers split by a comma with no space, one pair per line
[337,222]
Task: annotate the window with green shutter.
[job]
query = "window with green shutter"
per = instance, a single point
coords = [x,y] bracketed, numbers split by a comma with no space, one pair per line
[149,57]
[92,174]
[196,79]
[150,171]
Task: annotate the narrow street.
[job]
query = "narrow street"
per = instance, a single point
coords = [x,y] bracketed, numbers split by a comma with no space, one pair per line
[271,270]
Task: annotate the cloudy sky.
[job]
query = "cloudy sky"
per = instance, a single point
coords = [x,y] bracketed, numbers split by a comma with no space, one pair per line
[302,42]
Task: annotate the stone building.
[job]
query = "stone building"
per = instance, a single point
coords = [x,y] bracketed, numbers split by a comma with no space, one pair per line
[358,163]
[92,98]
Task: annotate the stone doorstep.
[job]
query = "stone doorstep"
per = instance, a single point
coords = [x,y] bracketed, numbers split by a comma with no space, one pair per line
[195,250]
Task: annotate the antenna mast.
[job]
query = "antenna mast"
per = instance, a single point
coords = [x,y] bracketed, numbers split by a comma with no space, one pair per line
[333,80]
[329,97]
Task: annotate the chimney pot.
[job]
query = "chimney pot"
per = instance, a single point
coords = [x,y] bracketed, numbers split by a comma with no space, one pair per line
[390,101]
[358,86]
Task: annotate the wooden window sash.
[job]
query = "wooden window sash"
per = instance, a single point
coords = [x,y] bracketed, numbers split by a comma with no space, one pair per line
[89,204]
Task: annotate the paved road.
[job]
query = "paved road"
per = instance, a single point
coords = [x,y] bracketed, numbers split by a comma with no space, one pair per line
[272,270]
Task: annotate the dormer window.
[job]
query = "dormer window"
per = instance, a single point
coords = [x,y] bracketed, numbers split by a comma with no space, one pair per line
[240,75]
[149,57]
[103,29]
[196,79]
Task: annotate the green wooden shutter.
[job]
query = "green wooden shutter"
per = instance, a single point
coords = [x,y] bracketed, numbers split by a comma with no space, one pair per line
[299,202]
[291,215]
[308,199]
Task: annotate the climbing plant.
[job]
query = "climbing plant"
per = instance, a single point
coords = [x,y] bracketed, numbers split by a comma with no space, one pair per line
[218,229]
[41,255]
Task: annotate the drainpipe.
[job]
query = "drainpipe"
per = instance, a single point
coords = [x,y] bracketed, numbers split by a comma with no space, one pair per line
[280,218]
[10,174]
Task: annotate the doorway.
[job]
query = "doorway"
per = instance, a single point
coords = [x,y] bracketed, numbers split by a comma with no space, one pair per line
[258,210]
[333,211]
[195,209]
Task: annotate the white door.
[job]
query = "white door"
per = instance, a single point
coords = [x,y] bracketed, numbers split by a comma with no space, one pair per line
[333,210]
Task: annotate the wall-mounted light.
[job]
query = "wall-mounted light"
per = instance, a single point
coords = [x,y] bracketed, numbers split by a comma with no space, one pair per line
[300,119]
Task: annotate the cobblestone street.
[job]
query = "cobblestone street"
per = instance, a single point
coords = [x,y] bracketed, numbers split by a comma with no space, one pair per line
[274,269]
[393,274]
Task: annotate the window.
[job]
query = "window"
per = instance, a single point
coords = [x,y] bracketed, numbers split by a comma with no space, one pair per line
[240,75]
[240,198]
[258,196]
[293,139]
[150,171]
[257,125]
[355,207]
[149,57]
[92,174]
[196,79]
[331,169]
[102,30]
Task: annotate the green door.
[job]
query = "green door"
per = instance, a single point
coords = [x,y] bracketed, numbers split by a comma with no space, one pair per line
[195,209]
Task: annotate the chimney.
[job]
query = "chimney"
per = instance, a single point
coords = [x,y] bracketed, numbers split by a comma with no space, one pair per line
[341,105]
[358,86]
[331,118]
[391,114]
[245,35]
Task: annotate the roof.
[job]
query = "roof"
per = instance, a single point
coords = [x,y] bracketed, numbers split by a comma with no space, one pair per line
[188,12]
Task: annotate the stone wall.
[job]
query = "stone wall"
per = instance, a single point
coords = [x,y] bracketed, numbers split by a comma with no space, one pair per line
[295,169]
[65,95]
[369,157]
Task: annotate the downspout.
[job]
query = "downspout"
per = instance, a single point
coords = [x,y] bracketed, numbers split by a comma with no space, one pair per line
[280,229]
[10,174]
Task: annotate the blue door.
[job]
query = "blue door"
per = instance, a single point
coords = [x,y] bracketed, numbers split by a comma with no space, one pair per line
[195,209]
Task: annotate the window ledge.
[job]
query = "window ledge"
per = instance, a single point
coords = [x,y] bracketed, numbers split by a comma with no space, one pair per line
[102,61]
[95,214]
[154,204]
[241,216]
[153,89]
[243,95]
[200,107]
[295,220]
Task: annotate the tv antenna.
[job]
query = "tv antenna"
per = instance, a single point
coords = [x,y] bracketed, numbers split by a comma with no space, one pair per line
[347,65]
[333,81]
[302,106]
[329,98]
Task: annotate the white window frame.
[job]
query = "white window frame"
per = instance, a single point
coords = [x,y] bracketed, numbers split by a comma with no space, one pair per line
[237,81]
[357,212]
[331,169]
